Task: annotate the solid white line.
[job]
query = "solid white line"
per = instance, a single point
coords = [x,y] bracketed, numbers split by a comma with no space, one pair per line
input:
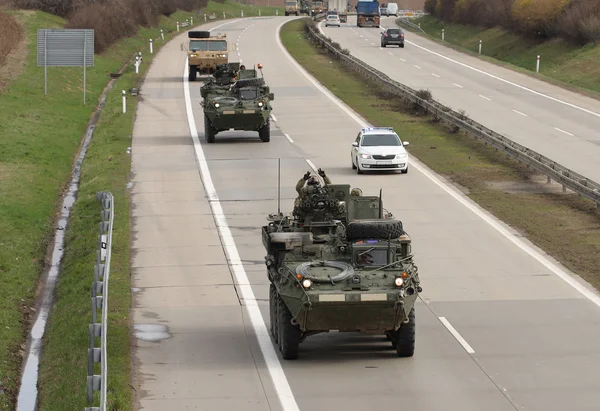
[563,131]
[417,66]
[289,138]
[433,74]
[310,163]
[273,117]
[456,335]
[458,196]
[280,382]
[506,81]
[518,112]
[487,98]
[457,85]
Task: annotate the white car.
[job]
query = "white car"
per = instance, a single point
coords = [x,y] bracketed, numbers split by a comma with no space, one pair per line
[333,20]
[379,148]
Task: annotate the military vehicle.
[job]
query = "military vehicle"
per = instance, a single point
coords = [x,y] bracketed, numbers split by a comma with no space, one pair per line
[205,52]
[244,104]
[292,7]
[339,263]
[317,7]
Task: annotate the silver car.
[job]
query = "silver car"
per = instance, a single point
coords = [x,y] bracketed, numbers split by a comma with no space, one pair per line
[333,20]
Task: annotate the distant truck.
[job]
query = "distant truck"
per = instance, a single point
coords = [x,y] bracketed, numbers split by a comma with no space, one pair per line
[292,7]
[339,6]
[367,13]
[205,52]
[317,7]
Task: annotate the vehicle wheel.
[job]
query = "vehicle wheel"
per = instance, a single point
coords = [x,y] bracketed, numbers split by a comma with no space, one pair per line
[383,45]
[404,171]
[374,229]
[297,13]
[265,131]
[353,166]
[289,334]
[273,312]
[358,170]
[405,337]
[286,13]
[401,45]
[193,73]
[209,131]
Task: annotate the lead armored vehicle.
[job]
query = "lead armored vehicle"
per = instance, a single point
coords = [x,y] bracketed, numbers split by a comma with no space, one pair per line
[244,104]
[339,262]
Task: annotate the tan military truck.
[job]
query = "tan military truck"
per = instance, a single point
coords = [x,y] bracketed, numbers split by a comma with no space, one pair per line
[292,7]
[317,7]
[205,52]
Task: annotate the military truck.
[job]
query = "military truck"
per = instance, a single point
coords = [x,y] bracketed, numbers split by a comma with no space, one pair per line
[339,263]
[205,52]
[244,104]
[292,7]
[317,7]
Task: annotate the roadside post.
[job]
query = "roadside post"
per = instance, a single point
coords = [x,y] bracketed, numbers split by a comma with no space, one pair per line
[124,101]
[537,64]
[151,48]
[480,41]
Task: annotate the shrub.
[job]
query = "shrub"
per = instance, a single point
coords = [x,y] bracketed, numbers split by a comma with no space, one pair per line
[11,33]
[537,17]
[580,21]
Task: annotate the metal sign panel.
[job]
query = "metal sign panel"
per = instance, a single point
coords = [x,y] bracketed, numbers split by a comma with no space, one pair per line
[65,48]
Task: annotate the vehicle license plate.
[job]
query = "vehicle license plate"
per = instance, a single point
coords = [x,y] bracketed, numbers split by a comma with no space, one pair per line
[384,162]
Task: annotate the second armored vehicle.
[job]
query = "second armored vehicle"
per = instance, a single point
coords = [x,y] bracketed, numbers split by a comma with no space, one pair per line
[340,263]
[243,105]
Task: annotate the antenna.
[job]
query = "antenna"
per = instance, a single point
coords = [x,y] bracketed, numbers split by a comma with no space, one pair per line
[380,204]
[279,186]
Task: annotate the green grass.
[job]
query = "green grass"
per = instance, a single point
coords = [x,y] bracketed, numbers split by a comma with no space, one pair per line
[233,9]
[561,62]
[39,138]
[564,225]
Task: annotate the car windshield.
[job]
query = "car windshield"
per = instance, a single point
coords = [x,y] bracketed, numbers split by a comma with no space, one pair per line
[332,17]
[290,3]
[374,140]
[394,31]
[208,45]
[248,94]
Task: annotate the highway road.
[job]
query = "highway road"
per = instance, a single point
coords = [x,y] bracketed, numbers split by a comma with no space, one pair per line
[557,123]
[499,327]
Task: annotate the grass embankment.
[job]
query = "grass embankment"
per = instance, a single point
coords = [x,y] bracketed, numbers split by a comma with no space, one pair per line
[561,62]
[39,137]
[564,225]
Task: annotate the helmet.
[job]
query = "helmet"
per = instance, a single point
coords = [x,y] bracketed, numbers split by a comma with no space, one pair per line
[356,192]
[312,180]
[242,67]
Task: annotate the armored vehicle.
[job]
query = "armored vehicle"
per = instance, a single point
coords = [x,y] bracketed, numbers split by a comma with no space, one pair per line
[243,105]
[339,262]
[205,52]
[292,7]
[220,83]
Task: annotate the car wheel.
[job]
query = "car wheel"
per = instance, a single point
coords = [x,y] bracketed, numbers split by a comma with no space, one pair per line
[402,45]
[358,170]
[353,166]
[404,171]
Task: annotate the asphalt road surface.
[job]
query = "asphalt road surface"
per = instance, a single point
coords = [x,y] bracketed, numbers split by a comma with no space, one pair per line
[499,327]
[562,125]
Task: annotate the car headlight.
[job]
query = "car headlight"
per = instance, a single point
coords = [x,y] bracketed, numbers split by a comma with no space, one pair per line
[306,283]
[398,281]
[260,104]
[365,156]
[217,105]
[403,155]
[192,55]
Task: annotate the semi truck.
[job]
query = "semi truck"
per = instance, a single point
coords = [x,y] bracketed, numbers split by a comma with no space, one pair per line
[367,13]
[341,7]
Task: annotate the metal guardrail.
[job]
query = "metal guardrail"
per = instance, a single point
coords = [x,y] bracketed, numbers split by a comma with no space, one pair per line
[410,24]
[554,171]
[100,301]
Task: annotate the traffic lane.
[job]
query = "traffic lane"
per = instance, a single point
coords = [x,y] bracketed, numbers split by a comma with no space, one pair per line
[323,351]
[182,282]
[516,113]
[494,252]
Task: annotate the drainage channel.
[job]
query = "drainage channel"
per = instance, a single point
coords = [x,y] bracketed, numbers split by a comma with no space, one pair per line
[27,399]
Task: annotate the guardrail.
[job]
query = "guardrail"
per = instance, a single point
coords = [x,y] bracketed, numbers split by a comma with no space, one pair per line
[554,171]
[100,302]
[404,20]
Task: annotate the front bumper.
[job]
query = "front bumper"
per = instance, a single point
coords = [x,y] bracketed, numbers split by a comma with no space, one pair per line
[374,164]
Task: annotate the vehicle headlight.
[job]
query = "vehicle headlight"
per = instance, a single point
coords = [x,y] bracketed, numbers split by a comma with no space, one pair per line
[306,283]
[192,55]
[217,105]
[398,281]
[260,104]
[365,156]
[401,155]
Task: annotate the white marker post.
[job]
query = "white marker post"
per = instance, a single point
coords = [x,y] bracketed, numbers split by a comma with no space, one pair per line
[259,12]
[277,12]
[137,64]
[124,101]
[151,48]
[419,25]
[191,21]
[223,14]
[537,65]
[162,35]
[242,13]
[442,34]
[177,26]
[205,18]
[480,41]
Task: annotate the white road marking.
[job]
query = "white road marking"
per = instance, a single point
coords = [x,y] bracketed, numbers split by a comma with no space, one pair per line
[507,81]
[402,59]
[433,74]
[487,98]
[456,335]
[273,117]
[457,85]
[280,382]
[417,66]
[502,228]
[518,112]
[310,163]
[390,53]
[289,138]
[563,131]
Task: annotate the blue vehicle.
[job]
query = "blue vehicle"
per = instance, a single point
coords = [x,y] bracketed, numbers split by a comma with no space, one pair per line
[367,13]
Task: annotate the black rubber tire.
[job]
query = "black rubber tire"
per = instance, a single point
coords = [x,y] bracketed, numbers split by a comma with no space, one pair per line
[402,46]
[374,229]
[404,171]
[209,131]
[286,13]
[273,313]
[405,337]
[353,166]
[358,170]
[265,132]
[193,73]
[289,334]
[198,34]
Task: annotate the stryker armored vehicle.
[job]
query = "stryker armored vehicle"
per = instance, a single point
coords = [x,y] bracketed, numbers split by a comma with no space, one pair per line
[339,262]
[243,105]
[205,52]
[220,83]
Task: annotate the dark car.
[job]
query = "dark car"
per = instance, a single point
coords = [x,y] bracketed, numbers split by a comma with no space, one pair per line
[392,36]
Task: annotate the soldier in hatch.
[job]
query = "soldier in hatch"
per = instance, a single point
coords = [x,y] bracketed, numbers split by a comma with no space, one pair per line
[308,179]
[356,192]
